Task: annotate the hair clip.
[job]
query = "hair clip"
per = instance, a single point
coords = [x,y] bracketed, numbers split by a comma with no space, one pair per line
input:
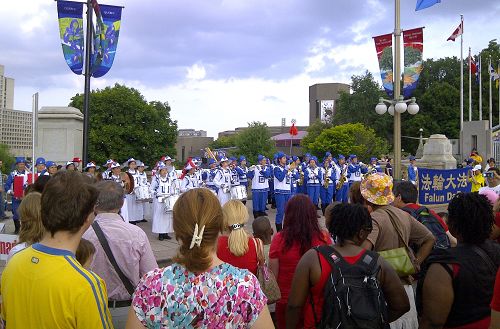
[236,226]
[197,236]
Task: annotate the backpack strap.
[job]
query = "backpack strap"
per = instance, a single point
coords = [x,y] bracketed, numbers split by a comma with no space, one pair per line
[369,259]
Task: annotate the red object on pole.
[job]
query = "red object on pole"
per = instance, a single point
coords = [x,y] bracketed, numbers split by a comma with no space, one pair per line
[293,130]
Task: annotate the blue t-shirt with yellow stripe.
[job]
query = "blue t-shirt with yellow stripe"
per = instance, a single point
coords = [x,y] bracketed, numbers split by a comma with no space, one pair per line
[44,287]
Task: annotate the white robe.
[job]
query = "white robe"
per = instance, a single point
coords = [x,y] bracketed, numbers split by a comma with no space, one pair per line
[221,179]
[161,186]
[135,209]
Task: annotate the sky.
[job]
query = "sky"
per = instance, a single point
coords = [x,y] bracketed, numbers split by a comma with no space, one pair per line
[221,64]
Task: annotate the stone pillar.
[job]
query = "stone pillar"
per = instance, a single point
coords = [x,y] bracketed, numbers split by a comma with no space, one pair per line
[438,154]
[60,133]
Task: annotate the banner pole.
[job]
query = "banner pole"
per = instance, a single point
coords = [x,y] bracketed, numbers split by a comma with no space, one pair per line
[291,144]
[480,90]
[470,85]
[34,115]
[86,93]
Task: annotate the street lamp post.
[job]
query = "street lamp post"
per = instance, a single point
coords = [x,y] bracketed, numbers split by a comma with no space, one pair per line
[399,104]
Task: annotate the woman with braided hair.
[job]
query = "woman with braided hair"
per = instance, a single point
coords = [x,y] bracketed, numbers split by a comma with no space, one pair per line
[457,288]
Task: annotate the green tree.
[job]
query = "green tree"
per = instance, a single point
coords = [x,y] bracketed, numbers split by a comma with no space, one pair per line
[123,125]
[255,140]
[313,131]
[351,138]
[7,158]
[224,142]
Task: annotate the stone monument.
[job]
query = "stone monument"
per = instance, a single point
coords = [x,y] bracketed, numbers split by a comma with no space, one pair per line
[437,154]
[60,133]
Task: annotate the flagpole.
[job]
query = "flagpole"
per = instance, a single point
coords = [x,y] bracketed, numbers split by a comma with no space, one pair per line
[498,82]
[491,100]
[470,86]
[461,75]
[480,89]
[86,93]
[291,145]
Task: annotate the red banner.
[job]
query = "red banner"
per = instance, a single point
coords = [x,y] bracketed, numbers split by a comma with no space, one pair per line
[383,46]
[413,49]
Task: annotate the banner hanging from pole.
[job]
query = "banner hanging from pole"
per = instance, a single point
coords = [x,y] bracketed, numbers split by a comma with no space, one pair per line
[70,15]
[108,22]
[383,46]
[440,186]
[413,48]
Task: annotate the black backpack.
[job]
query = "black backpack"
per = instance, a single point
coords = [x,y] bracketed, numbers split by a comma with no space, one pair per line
[424,216]
[352,295]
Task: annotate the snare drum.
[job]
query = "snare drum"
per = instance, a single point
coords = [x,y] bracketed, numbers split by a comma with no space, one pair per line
[239,192]
[143,194]
[170,202]
[225,189]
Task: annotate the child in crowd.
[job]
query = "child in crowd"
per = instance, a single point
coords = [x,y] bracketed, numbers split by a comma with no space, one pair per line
[85,253]
[262,229]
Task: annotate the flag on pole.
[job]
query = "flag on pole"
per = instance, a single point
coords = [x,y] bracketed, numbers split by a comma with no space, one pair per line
[458,32]
[473,66]
[493,74]
[422,4]
[478,69]
[293,130]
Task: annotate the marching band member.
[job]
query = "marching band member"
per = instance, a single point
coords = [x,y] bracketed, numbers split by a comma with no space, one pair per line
[209,175]
[302,188]
[170,167]
[135,209]
[116,176]
[76,162]
[90,169]
[17,196]
[259,175]
[142,181]
[70,165]
[198,172]
[242,170]
[313,179]
[41,168]
[327,188]
[106,175]
[189,179]
[235,177]
[354,170]
[163,185]
[51,168]
[270,196]
[223,181]
[295,175]
[374,166]
[342,184]
[412,171]
[282,188]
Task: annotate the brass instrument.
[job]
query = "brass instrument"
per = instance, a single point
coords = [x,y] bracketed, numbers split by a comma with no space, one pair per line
[342,178]
[326,182]
[210,153]
[300,182]
[292,167]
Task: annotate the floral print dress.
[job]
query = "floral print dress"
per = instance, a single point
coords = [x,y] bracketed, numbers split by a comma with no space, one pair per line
[222,297]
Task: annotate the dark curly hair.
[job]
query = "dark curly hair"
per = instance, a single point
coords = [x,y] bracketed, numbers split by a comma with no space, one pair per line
[346,220]
[471,216]
[301,224]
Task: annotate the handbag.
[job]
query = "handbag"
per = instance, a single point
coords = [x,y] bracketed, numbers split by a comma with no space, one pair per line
[266,278]
[399,258]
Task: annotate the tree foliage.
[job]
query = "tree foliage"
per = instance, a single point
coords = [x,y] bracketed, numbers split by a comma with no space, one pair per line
[123,125]
[255,140]
[351,138]
[223,142]
[7,158]
[313,131]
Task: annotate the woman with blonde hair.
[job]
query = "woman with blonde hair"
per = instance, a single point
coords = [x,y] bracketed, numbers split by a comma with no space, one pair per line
[237,248]
[32,229]
[198,290]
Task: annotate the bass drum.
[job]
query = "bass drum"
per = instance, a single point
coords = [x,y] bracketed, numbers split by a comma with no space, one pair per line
[127,182]
[239,193]
[170,202]
[143,194]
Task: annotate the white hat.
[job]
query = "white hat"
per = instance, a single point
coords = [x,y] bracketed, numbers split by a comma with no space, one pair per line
[69,163]
[161,166]
[131,160]
[476,167]
[223,159]
[141,164]
[190,165]
[114,165]
[90,165]
[167,158]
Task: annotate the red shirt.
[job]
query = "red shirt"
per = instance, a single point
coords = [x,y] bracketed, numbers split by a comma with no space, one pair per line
[317,291]
[247,261]
[288,261]
[495,302]
[415,206]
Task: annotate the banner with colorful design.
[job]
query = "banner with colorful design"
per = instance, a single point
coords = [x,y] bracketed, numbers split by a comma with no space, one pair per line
[383,46]
[440,186]
[71,32]
[108,21]
[413,48]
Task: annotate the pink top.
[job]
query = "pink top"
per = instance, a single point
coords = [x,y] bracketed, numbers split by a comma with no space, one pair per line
[131,249]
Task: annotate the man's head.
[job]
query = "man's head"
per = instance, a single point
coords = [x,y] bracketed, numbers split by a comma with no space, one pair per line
[40,164]
[68,203]
[493,176]
[476,170]
[405,192]
[110,197]
[20,164]
[262,229]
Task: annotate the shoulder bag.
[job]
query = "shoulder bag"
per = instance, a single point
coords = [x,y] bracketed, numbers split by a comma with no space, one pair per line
[266,278]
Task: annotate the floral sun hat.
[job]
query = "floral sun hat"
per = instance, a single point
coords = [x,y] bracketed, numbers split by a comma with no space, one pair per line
[377,189]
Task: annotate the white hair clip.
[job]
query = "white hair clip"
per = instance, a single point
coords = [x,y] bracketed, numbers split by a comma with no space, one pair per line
[197,236]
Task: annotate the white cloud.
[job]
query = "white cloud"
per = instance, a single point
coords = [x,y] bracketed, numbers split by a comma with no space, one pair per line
[196,72]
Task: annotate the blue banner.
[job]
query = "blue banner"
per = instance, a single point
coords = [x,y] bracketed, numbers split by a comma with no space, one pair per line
[71,31]
[108,21]
[440,186]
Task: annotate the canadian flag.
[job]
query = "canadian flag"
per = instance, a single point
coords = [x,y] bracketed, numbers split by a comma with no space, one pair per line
[293,130]
[473,66]
[458,32]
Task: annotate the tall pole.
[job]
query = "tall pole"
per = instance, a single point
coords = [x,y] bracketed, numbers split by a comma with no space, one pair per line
[480,90]
[470,86]
[86,93]
[491,100]
[34,117]
[462,75]
[397,89]
[498,80]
